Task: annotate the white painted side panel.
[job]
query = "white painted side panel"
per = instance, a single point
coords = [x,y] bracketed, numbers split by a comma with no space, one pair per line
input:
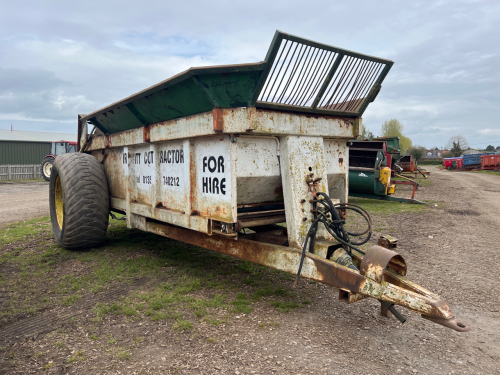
[336,156]
[214,178]
[173,178]
[257,156]
[143,159]
[301,156]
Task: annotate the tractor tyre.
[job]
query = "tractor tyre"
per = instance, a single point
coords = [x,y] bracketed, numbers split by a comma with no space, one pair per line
[79,201]
[46,167]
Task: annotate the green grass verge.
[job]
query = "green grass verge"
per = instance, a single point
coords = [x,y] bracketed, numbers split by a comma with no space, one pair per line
[386,208]
[185,285]
[430,162]
[494,173]
[23,230]
[23,181]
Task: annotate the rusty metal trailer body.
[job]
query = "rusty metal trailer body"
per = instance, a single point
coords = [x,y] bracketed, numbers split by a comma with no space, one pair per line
[490,162]
[212,151]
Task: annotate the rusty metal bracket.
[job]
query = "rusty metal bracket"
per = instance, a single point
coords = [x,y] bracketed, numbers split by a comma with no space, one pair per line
[388,242]
[313,184]
[377,259]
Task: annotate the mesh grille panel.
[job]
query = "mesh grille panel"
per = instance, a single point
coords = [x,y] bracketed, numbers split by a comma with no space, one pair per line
[297,74]
[307,76]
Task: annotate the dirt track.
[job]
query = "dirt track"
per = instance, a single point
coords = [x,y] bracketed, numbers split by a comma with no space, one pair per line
[22,201]
[452,250]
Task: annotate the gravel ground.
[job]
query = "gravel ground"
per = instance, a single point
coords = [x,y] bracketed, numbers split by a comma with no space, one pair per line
[448,249]
[23,201]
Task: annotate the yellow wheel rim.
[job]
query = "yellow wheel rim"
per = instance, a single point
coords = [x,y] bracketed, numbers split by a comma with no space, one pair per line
[59,202]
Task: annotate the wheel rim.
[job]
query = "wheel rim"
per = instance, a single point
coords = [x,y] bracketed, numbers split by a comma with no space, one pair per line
[47,169]
[58,195]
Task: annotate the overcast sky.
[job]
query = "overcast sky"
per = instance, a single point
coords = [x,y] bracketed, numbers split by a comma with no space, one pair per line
[61,58]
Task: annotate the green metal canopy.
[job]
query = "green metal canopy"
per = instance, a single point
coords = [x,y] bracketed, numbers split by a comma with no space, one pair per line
[297,75]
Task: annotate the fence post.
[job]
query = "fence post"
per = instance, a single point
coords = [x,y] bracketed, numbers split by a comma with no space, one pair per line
[34,175]
[8,172]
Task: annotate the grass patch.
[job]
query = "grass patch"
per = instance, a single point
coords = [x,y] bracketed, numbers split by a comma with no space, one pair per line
[59,344]
[272,324]
[241,305]
[78,356]
[269,291]
[285,306]
[386,208]
[23,230]
[23,181]
[493,173]
[48,365]
[68,301]
[430,162]
[183,325]
[124,355]
[43,276]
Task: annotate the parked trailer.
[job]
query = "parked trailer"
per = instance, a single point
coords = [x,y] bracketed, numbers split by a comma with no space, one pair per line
[490,161]
[211,151]
[408,164]
[472,161]
[453,163]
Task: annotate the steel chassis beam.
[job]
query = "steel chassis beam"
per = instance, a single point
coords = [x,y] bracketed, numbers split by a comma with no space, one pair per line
[399,290]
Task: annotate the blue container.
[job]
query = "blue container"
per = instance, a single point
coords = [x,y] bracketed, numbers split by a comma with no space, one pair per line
[473,160]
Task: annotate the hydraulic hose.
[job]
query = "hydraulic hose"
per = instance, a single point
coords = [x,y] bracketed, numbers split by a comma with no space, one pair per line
[329,216]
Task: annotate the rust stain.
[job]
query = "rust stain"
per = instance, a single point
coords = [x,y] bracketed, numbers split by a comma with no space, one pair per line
[192,184]
[146,136]
[218,120]
[377,259]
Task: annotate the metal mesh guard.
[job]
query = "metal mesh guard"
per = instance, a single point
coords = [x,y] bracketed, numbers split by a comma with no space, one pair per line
[304,75]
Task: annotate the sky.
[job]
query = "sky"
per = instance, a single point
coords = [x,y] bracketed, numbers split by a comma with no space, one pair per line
[63,58]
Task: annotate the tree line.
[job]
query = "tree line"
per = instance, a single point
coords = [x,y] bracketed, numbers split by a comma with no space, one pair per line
[394,128]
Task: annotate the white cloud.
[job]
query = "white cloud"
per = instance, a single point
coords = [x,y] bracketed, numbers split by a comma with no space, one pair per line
[489,132]
[59,61]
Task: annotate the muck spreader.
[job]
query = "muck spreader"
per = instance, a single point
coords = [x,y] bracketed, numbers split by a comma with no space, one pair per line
[218,156]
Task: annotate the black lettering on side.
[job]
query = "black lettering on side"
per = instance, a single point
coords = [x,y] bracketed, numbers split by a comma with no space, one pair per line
[204,163]
[223,186]
[181,156]
[216,185]
[210,167]
[221,164]
[205,184]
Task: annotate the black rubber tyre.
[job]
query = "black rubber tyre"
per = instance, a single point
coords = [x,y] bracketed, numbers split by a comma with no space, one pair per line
[79,201]
[46,167]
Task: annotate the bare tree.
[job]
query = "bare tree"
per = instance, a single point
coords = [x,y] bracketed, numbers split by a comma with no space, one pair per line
[457,145]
